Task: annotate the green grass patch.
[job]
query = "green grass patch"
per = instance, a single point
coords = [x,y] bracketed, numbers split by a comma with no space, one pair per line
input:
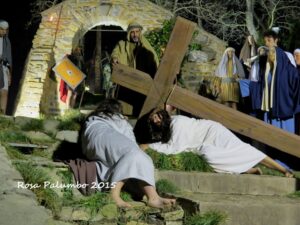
[296,194]
[185,161]
[269,171]
[36,176]
[94,202]
[6,123]
[33,125]
[208,218]
[14,153]
[126,196]
[42,153]
[13,136]
[165,186]
[67,191]
[71,120]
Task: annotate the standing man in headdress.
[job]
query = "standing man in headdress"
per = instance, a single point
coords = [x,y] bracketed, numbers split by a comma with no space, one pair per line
[5,65]
[137,53]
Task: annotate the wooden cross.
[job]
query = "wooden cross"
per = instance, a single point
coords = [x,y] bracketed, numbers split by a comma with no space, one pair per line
[161,90]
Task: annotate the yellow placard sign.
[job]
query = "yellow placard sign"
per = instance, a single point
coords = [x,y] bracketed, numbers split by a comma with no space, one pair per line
[70,73]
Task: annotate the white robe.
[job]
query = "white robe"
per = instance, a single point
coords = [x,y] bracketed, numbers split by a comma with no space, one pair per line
[111,142]
[224,151]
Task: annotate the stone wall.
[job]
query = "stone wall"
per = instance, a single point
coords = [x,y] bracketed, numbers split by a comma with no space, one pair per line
[62,27]
[60,30]
[203,63]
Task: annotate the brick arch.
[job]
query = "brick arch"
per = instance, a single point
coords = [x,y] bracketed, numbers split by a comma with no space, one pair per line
[61,28]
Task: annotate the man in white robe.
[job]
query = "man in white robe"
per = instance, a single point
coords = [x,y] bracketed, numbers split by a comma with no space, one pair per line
[224,151]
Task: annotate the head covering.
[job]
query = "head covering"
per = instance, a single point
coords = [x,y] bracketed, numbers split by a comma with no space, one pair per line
[238,69]
[133,25]
[248,50]
[297,51]
[4,24]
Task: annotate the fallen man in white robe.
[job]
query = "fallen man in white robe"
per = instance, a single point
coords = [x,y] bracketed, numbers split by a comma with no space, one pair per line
[107,138]
[224,151]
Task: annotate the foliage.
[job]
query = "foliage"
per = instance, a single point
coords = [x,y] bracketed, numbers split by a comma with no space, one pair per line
[71,120]
[268,171]
[165,186]
[296,194]
[159,38]
[67,191]
[208,218]
[33,125]
[126,196]
[13,136]
[14,153]
[37,176]
[6,123]
[95,202]
[185,161]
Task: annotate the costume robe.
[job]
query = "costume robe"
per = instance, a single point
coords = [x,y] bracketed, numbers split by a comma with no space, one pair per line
[284,96]
[224,151]
[111,142]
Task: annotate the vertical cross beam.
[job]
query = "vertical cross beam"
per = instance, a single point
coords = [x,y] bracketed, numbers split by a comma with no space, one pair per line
[170,64]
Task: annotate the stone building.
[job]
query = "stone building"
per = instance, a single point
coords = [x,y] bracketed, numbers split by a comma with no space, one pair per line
[65,24]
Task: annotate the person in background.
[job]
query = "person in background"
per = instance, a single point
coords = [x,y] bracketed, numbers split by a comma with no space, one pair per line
[5,65]
[229,71]
[135,52]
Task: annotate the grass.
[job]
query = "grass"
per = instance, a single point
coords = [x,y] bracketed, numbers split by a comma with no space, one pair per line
[33,125]
[208,218]
[67,192]
[94,202]
[185,161]
[268,171]
[45,196]
[296,194]
[14,153]
[71,120]
[165,186]
[6,123]
[13,136]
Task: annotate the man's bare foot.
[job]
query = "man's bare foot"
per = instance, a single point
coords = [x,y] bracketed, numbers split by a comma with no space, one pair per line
[122,204]
[161,202]
[258,171]
[289,174]
[255,170]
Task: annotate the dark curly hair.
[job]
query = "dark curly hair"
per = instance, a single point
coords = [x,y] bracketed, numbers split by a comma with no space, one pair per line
[108,107]
[148,132]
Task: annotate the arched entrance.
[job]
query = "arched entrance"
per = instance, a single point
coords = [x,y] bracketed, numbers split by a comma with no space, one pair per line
[61,29]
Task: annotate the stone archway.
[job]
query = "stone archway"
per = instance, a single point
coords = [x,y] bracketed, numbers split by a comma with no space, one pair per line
[60,30]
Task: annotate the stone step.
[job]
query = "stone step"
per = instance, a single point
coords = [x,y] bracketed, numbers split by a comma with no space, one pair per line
[230,183]
[248,209]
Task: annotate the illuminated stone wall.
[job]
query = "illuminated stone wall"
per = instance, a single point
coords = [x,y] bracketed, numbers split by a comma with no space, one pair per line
[60,30]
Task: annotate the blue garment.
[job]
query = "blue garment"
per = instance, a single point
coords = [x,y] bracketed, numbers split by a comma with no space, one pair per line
[285,124]
[286,100]
[244,87]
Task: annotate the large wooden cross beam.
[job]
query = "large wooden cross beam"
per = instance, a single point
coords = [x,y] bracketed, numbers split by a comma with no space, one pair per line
[162,90]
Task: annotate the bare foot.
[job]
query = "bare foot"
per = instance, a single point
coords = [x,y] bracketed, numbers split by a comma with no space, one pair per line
[122,204]
[255,170]
[161,202]
[259,171]
[289,174]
